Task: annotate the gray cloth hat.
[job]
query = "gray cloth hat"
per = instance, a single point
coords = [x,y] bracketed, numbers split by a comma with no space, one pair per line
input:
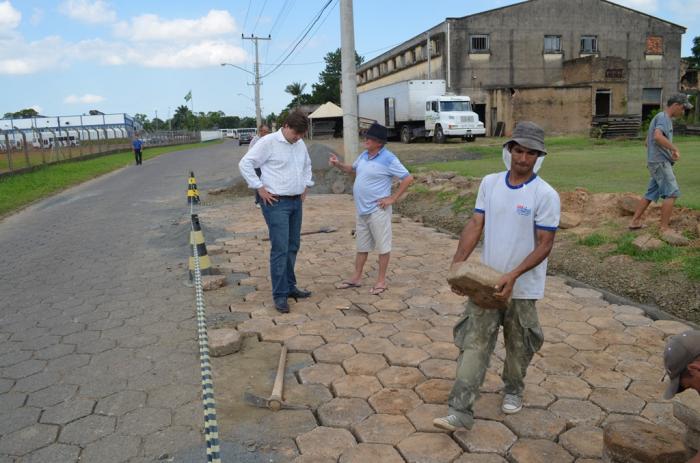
[680,351]
[529,135]
[680,98]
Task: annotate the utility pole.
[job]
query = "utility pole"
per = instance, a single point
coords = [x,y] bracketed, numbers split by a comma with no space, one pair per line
[348,94]
[428,50]
[258,114]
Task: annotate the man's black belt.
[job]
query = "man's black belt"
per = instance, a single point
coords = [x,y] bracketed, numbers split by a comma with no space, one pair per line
[288,196]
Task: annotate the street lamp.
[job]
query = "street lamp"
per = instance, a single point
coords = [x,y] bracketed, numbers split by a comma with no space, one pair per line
[256,75]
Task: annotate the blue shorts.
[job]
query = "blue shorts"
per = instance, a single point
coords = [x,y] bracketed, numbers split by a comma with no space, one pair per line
[662,183]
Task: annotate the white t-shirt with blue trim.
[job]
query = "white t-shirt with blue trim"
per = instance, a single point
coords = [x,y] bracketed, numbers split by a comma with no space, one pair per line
[512,214]
[373,178]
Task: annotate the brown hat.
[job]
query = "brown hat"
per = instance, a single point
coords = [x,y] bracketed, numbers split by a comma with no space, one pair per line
[529,135]
[680,351]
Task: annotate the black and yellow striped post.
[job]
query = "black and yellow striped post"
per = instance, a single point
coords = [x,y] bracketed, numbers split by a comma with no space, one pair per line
[192,192]
[197,238]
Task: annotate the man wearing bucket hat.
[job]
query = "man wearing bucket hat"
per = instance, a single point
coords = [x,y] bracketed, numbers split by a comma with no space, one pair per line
[518,213]
[374,171]
[682,362]
[661,155]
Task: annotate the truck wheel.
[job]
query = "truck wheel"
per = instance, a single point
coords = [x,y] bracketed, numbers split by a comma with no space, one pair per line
[439,136]
[406,134]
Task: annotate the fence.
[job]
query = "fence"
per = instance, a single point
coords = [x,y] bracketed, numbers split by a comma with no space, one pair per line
[21,150]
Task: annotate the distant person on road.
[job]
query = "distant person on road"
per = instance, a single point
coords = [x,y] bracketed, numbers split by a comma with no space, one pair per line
[137,145]
[374,171]
[661,155]
[518,213]
[285,179]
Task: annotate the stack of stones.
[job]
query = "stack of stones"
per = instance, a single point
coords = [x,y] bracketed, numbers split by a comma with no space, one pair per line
[686,408]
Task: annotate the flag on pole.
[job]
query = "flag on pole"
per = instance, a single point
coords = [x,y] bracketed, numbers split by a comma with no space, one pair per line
[188,97]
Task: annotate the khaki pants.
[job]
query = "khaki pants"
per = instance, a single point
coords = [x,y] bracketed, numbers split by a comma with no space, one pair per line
[475,334]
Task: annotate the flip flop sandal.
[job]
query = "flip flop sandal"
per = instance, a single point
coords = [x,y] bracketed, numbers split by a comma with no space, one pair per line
[377,290]
[347,285]
[639,227]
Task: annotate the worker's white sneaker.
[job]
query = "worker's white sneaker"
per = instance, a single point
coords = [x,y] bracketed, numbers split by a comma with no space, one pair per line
[512,404]
[448,423]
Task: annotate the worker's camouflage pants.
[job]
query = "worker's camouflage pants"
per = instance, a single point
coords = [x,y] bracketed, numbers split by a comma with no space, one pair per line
[475,334]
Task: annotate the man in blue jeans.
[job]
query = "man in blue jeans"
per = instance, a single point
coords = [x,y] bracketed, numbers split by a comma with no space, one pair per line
[285,168]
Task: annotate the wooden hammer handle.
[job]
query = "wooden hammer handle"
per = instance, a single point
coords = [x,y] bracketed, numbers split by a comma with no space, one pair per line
[276,395]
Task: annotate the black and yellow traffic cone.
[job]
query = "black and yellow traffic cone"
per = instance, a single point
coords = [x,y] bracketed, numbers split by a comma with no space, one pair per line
[197,238]
[192,192]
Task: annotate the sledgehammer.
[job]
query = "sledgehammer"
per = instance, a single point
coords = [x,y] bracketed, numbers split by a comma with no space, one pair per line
[274,402]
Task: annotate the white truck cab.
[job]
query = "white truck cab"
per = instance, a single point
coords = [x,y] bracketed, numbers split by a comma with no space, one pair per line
[451,116]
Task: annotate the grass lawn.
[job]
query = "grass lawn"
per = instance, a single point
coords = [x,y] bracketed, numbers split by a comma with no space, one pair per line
[19,190]
[601,166]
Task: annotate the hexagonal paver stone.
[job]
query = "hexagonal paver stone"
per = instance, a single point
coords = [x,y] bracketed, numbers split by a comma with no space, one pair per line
[255,326]
[386,317]
[88,429]
[364,364]
[439,368]
[406,356]
[481,458]
[55,453]
[536,424]
[278,333]
[583,441]
[442,350]
[537,397]
[633,440]
[560,366]
[639,370]
[401,377]
[11,401]
[686,407]
[143,421]
[435,391]
[28,439]
[356,386]
[617,401]
[23,369]
[633,320]
[566,387]
[423,415]
[311,458]
[333,353]
[488,407]
[379,330]
[586,342]
[321,373]
[670,327]
[557,349]
[416,326]
[68,411]
[224,341]
[578,412]
[342,335]
[350,321]
[372,345]
[597,360]
[409,339]
[538,451]
[606,378]
[647,390]
[112,448]
[325,442]
[317,327]
[394,401]
[343,413]
[486,437]
[424,447]
[312,395]
[365,453]
[121,403]
[576,327]
[304,343]
[383,429]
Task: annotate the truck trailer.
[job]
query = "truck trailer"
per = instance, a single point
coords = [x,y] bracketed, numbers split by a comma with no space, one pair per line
[414,109]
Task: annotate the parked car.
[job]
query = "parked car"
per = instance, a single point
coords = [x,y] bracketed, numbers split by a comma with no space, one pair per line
[245,136]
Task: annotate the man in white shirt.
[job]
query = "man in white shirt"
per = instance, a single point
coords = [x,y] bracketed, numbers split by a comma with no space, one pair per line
[518,213]
[285,178]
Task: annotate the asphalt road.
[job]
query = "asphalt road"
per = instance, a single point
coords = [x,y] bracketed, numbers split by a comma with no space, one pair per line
[98,352]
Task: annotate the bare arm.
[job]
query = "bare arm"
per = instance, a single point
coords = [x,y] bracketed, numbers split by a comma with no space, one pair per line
[335,162]
[545,241]
[405,182]
[469,238]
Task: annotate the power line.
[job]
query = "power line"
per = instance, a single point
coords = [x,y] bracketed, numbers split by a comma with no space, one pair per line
[245,21]
[259,16]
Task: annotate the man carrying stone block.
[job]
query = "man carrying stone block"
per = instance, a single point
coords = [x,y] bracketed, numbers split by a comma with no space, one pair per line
[518,213]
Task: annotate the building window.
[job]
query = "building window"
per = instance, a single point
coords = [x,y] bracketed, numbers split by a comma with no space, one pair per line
[655,45]
[589,44]
[479,43]
[552,43]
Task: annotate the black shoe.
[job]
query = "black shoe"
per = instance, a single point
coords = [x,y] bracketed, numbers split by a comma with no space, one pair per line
[297,293]
[281,305]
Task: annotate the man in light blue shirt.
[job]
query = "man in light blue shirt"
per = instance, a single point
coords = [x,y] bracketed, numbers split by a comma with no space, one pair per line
[661,155]
[374,172]
[137,145]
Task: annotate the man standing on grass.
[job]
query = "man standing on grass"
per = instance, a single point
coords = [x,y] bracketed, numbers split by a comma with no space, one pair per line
[286,176]
[518,213]
[374,171]
[661,155]
[137,145]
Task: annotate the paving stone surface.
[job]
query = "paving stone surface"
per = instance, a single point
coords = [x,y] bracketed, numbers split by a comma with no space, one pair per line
[105,355]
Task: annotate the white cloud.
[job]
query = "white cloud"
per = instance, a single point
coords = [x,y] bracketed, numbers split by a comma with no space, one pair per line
[9,16]
[196,56]
[37,16]
[91,12]
[87,98]
[150,27]
[20,57]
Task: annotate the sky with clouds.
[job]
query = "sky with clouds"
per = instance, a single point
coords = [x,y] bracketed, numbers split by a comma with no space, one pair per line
[70,56]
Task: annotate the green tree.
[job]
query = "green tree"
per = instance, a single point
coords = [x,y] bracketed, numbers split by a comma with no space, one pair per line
[22,114]
[328,86]
[694,60]
[143,120]
[230,122]
[296,89]
[183,118]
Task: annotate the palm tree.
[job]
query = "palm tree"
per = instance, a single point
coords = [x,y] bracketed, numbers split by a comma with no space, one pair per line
[296,89]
